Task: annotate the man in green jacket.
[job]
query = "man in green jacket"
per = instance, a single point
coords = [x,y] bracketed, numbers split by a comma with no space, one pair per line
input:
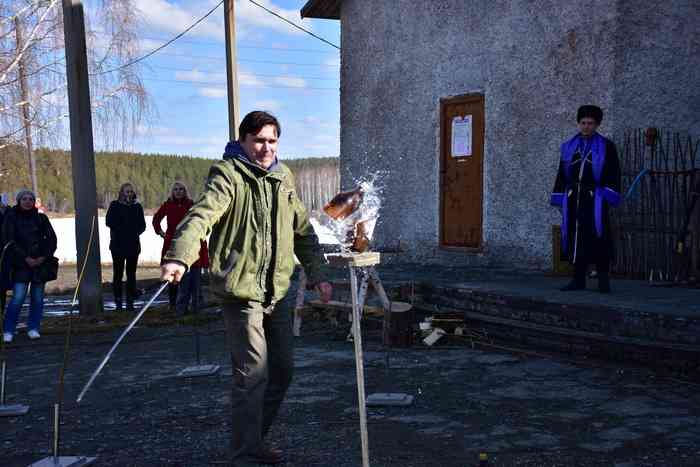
[256,223]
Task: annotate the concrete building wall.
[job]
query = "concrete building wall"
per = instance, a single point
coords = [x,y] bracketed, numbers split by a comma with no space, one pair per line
[534,61]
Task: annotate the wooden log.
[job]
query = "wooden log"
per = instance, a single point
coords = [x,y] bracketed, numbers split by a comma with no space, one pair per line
[398,325]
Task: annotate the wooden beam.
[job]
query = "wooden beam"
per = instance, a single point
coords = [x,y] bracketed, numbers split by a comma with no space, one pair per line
[231,69]
[82,156]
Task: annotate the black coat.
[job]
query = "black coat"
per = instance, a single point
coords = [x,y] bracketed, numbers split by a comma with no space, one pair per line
[585,244]
[126,222]
[32,236]
[6,263]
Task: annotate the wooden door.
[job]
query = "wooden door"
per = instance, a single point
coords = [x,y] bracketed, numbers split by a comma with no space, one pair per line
[461,171]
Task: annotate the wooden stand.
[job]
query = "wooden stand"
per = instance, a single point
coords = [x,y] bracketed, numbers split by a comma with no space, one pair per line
[358,264]
[362,265]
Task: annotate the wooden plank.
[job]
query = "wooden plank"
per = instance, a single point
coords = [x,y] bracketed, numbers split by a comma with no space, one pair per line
[335,305]
[369,258]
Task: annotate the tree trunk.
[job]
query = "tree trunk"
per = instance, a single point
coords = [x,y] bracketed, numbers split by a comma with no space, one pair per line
[26,121]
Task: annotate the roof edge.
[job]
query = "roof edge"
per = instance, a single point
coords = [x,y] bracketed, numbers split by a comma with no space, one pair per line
[322,9]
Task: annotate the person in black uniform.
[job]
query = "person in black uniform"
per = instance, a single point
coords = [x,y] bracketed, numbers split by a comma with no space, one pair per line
[587,184]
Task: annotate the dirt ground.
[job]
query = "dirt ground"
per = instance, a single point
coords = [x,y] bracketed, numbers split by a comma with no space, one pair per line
[522,410]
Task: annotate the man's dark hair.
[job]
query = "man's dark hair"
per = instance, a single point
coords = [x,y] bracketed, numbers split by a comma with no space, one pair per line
[255,121]
[590,111]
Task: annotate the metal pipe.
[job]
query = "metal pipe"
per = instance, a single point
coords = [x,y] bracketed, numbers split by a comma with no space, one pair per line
[2,382]
[196,319]
[56,424]
[118,341]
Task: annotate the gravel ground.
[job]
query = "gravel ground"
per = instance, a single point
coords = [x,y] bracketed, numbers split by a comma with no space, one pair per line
[521,410]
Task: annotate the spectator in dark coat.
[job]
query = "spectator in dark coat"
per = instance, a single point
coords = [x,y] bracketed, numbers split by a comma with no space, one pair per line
[32,245]
[174,210]
[126,223]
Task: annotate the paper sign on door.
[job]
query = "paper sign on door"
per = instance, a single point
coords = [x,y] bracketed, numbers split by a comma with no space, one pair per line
[462,136]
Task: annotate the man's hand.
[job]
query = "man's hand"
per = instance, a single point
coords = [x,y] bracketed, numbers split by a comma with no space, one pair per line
[325,291]
[172,272]
[31,262]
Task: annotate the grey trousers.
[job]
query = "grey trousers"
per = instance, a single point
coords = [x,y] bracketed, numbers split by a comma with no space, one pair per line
[262,360]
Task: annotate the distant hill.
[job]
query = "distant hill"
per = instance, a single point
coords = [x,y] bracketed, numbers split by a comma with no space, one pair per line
[152,174]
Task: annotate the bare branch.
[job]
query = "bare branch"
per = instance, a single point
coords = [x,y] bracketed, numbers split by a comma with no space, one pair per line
[15,62]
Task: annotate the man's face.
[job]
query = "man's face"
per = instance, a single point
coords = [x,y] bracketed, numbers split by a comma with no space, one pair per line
[587,126]
[262,148]
[26,202]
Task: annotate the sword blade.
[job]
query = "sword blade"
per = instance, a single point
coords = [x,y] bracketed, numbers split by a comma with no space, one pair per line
[118,341]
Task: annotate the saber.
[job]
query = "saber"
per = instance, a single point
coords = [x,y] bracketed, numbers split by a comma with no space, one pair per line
[116,344]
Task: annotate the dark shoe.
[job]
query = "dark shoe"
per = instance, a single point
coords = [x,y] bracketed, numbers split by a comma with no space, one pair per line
[119,308]
[130,307]
[269,455]
[604,283]
[573,285]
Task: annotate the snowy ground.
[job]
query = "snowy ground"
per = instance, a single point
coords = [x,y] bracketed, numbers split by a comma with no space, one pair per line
[151,243]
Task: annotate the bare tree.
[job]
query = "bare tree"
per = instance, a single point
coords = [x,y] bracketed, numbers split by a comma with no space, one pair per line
[33,102]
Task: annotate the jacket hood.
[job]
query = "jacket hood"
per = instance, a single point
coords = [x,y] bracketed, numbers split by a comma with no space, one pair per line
[234,150]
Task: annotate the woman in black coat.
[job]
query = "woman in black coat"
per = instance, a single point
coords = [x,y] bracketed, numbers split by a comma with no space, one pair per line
[32,243]
[126,223]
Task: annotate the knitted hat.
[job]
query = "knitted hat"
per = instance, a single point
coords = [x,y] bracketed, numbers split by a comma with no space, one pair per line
[22,193]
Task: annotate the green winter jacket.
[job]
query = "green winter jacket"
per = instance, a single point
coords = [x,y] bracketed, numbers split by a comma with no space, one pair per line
[257,224]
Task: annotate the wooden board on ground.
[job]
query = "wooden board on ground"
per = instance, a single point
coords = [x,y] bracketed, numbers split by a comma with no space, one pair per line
[335,305]
[369,258]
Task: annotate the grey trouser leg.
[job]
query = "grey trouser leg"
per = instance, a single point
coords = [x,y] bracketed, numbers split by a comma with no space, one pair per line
[262,362]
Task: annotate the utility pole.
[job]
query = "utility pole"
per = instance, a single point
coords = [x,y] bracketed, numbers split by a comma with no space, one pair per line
[24,91]
[82,156]
[231,69]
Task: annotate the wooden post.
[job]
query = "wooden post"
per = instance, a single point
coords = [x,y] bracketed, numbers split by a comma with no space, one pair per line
[82,155]
[231,69]
[24,91]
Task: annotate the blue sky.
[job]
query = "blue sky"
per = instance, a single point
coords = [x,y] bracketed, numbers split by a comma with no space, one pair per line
[281,69]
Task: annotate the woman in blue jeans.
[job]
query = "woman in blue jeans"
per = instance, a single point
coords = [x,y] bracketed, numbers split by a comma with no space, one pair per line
[32,241]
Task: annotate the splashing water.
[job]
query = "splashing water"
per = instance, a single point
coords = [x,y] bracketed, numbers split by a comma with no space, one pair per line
[367,213]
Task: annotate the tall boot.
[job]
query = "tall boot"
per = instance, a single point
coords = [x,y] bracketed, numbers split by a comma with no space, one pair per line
[130,297]
[603,282]
[117,291]
[579,280]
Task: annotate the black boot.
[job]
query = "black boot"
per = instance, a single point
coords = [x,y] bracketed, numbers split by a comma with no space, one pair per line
[575,284]
[603,282]
[579,280]
[117,292]
[130,305]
